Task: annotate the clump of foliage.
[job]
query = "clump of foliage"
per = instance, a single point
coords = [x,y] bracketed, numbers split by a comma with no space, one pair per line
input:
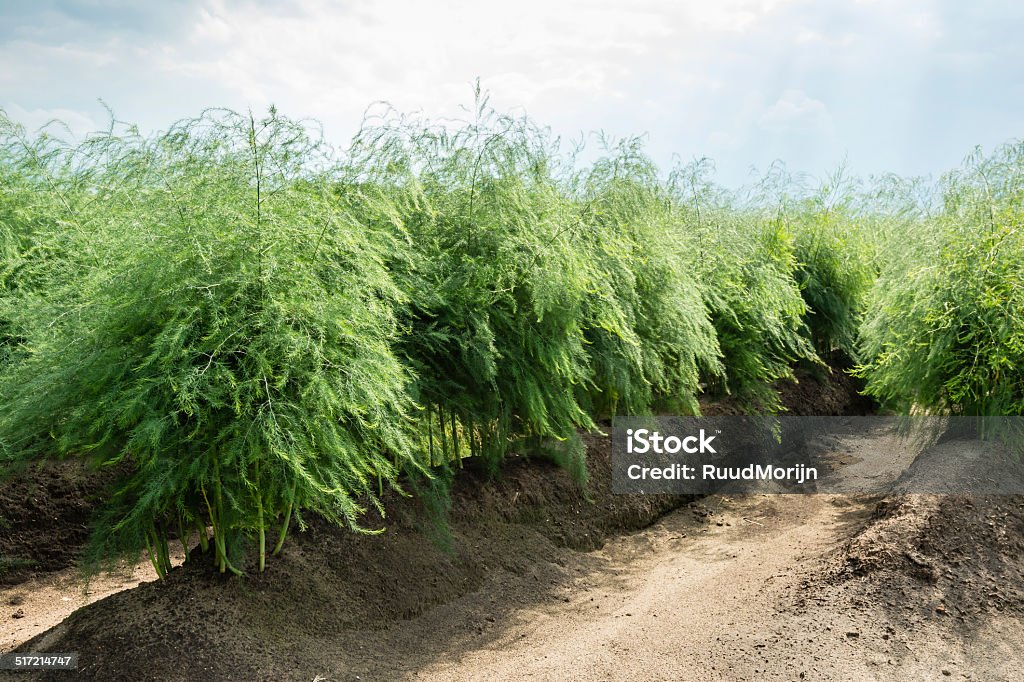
[30,204]
[649,334]
[745,260]
[945,327]
[496,280]
[836,263]
[216,328]
[11,247]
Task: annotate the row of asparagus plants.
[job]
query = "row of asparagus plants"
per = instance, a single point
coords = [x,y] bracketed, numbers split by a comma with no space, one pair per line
[249,325]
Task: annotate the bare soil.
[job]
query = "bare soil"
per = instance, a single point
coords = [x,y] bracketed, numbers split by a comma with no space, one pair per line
[519,530]
[758,594]
[36,605]
[44,518]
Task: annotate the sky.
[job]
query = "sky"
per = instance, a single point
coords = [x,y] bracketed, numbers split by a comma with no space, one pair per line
[904,86]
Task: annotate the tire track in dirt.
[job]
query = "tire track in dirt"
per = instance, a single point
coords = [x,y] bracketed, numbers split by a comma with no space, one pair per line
[672,600]
[736,599]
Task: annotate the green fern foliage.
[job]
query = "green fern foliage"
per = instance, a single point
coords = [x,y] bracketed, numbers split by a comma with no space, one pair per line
[495,276]
[836,264]
[745,260]
[945,327]
[650,337]
[217,328]
[249,326]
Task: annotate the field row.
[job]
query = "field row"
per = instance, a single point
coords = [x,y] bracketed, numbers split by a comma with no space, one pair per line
[251,325]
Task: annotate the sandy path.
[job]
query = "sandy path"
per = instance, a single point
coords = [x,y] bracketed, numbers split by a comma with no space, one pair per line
[669,598]
[36,605]
[689,601]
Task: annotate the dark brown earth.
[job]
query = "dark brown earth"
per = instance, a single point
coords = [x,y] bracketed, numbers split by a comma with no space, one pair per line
[508,589]
[818,390]
[44,517]
[825,390]
[967,551]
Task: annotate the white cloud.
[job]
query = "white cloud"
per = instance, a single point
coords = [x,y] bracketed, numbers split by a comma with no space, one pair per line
[332,61]
[926,24]
[720,140]
[795,110]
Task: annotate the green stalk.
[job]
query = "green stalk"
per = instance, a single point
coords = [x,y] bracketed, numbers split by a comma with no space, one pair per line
[287,520]
[218,533]
[165,552]
[221,551]
[455,441]
[183,536]
[430,434]
[152,557]
[471,434]
[444,434]
[259,518]
[263,534]
[231,567]
[225,563]
[204,543]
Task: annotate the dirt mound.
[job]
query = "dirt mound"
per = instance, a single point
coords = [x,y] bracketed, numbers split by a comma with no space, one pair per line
[953,556]
[44,517]
[929,588]
[826,391]
[818,391]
